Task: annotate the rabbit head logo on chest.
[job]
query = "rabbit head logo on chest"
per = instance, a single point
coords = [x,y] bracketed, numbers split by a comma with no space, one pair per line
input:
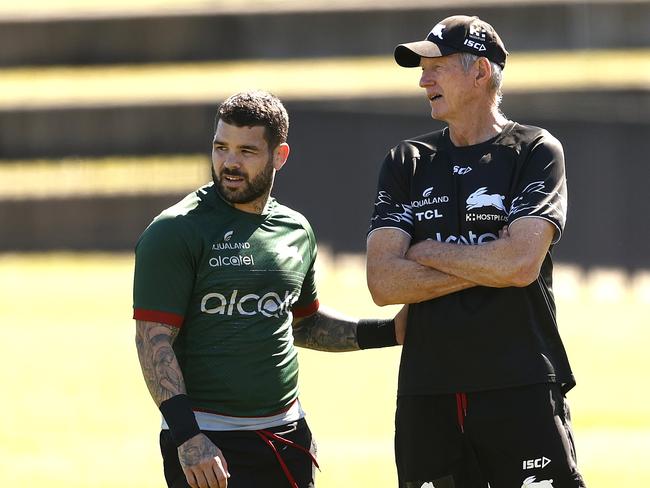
[481,198]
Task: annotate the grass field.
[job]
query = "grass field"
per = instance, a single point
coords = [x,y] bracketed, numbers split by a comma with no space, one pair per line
[76,412]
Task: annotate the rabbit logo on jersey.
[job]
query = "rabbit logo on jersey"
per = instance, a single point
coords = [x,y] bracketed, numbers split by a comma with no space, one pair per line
[270,304]
[481,198]
[531,483]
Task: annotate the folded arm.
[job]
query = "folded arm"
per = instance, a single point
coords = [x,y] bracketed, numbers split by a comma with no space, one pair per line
[394,277]
[514,259]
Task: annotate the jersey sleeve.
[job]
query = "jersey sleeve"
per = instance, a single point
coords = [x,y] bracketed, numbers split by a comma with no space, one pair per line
[164,274]
[392,202]
[541,190]
[307,303]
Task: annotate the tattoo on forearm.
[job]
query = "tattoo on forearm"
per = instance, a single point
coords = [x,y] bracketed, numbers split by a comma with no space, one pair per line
[158,361]
[326,333]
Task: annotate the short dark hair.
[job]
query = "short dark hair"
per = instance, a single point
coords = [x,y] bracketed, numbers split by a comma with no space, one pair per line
[253,108]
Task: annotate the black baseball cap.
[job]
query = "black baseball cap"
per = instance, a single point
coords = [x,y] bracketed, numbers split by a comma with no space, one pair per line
[458,33]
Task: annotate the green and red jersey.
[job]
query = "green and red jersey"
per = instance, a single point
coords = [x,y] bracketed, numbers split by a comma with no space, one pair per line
[232,282]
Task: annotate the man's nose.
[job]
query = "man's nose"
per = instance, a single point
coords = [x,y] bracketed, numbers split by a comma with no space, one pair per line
[426,79]
[231,160]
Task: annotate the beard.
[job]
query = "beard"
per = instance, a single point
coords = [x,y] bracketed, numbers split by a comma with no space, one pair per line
[259,186]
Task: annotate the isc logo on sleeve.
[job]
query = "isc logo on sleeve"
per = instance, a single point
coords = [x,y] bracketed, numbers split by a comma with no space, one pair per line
[536,463]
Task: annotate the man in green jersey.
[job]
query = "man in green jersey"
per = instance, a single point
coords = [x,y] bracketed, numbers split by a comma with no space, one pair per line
[223,290]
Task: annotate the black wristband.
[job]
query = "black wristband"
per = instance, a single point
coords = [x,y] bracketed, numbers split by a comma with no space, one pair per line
[180,418]
[373,333]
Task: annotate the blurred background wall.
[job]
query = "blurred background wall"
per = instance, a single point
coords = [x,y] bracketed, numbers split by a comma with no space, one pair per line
[106,114]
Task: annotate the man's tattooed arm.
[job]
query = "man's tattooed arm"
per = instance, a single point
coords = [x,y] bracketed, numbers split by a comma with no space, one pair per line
[326,331]
[160,367]
[198,456]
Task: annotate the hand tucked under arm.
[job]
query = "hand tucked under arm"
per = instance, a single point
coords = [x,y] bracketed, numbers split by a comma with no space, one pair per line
[514,259]
[394,279]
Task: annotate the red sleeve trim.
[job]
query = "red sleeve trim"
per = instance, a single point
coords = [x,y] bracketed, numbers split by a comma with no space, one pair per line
[306,311]
[168,318]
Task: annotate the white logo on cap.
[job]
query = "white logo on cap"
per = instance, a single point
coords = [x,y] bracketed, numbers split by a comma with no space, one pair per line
[437,31]
[477,30]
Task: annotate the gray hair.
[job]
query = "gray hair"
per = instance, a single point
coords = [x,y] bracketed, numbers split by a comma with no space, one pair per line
[468,59]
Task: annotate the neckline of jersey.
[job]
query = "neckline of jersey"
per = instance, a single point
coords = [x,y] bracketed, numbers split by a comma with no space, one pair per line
[450,145]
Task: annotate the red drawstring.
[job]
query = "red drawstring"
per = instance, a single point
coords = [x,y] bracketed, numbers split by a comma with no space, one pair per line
[461,410]
[267,437]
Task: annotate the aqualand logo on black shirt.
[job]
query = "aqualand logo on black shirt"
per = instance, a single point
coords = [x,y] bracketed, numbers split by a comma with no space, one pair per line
[429,200]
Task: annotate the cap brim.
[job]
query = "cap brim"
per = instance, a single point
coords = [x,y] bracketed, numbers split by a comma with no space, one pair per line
[408,55]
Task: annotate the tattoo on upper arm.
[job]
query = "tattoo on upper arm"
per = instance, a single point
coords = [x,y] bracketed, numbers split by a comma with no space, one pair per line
[158,360]
[326,333]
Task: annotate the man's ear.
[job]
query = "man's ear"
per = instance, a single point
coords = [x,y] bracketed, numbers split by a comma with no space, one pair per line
[484,71]
[280,155]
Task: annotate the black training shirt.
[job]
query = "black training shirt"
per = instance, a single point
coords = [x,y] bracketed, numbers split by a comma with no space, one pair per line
[480,338]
